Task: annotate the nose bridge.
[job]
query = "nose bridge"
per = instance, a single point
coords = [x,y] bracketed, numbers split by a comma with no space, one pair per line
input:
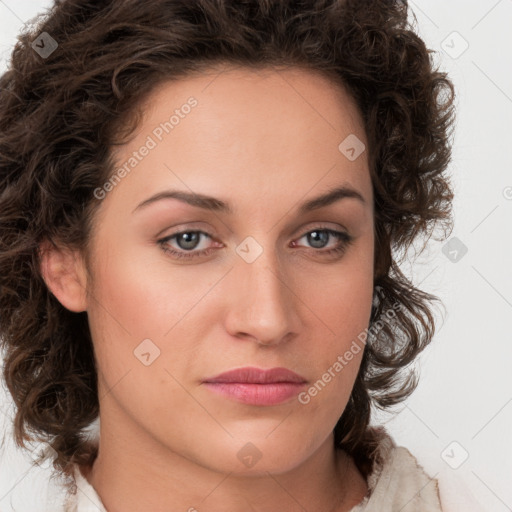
[262,305]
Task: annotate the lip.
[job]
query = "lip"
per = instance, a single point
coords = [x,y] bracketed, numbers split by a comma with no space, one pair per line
[257,386]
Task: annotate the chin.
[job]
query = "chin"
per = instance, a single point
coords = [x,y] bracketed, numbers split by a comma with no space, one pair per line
[258,456]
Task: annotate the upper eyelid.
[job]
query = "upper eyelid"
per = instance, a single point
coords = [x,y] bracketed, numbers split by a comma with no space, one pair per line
[332,226]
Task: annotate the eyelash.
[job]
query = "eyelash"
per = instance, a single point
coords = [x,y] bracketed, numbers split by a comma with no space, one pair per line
[345,241]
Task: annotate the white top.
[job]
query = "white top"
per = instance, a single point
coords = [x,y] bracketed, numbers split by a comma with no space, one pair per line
[396,482]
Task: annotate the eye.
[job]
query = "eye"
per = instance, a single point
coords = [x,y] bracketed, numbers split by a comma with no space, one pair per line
[187,241]
[320,237]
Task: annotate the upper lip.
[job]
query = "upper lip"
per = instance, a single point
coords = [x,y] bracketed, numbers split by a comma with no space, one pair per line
[253,375]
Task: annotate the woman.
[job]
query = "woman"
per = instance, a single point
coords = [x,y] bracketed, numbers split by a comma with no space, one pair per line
[203,206]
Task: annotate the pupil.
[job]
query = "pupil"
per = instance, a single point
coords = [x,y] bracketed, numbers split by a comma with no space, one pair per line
[318,239]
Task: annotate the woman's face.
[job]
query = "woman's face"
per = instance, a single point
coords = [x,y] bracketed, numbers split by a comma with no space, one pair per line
[261,276]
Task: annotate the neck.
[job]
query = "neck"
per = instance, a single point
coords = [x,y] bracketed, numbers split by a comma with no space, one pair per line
[133,471]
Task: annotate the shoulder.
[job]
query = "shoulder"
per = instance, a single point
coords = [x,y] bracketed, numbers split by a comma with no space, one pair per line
[397,481]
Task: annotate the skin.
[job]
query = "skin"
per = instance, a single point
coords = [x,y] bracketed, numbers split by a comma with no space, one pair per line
[265,141]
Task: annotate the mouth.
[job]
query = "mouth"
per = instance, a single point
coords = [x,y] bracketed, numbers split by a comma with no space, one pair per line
[256,386]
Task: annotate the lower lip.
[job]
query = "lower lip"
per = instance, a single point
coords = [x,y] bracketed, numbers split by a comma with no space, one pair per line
[256,394]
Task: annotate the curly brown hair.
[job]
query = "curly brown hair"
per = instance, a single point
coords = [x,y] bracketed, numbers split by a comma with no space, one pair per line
[61,115]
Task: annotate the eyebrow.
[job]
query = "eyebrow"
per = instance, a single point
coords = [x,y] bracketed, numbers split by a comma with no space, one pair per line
[217,205]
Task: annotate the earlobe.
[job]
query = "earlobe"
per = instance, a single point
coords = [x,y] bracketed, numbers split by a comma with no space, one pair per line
[64,274]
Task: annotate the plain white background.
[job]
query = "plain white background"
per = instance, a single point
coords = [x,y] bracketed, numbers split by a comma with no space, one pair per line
[458,422]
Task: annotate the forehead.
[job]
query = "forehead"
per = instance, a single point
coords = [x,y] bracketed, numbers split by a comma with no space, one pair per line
[237,95]
[250,131]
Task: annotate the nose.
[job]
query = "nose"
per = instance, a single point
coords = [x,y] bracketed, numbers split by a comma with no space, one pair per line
[263,303]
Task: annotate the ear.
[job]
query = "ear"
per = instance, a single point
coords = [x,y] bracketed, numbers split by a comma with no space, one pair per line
[63,271]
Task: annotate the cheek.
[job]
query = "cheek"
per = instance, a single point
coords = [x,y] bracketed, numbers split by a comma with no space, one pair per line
[132,319]
[341,302]
[138,296]
[340,296]
[344,308]
[144,295]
